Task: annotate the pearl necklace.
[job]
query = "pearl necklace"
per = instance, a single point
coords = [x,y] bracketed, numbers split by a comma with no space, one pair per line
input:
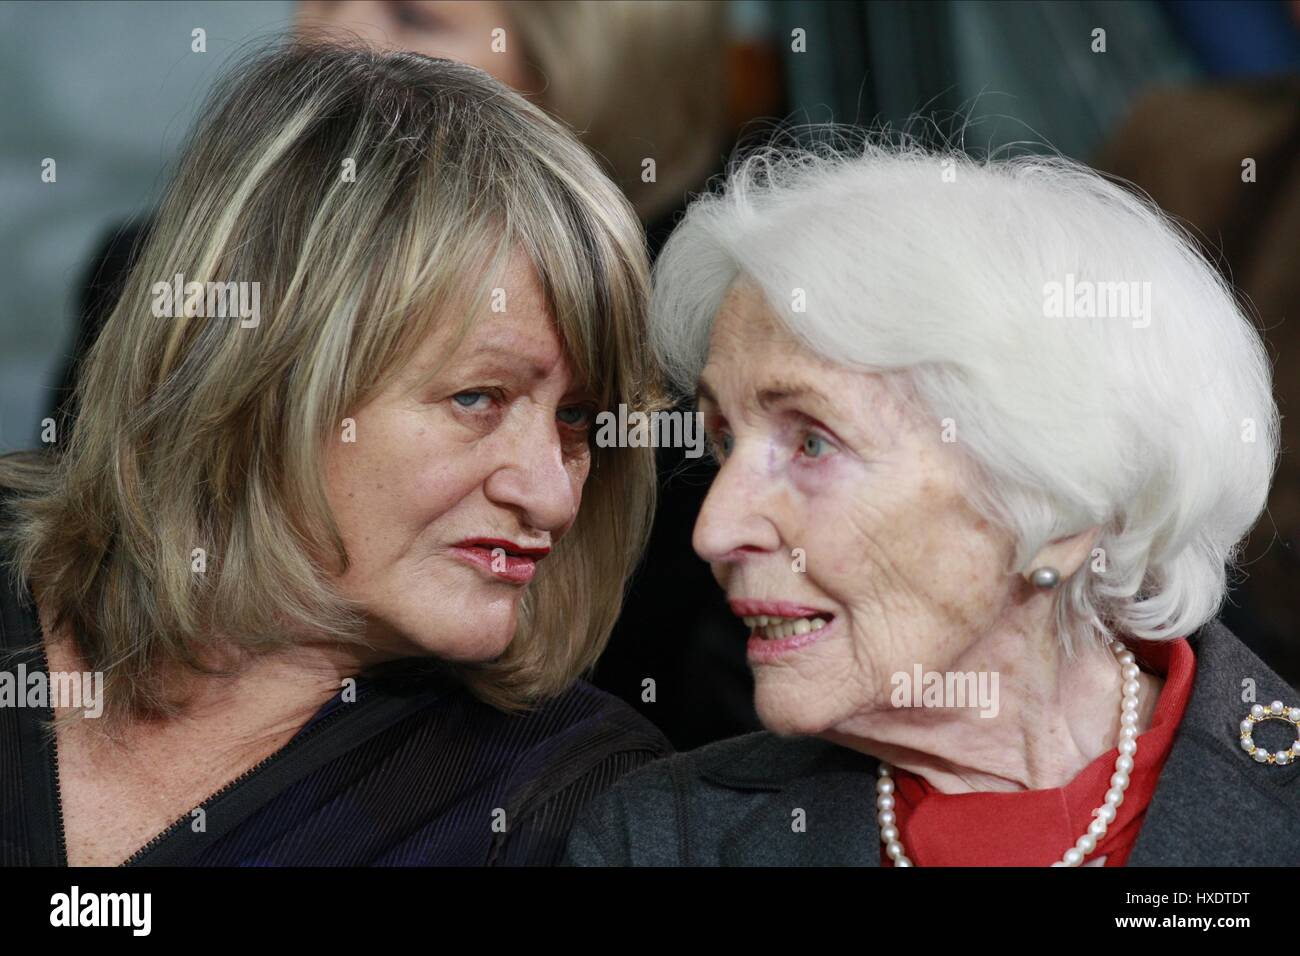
[1105,813]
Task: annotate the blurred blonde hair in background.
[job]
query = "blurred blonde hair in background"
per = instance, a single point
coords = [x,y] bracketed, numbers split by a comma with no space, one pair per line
[637,80]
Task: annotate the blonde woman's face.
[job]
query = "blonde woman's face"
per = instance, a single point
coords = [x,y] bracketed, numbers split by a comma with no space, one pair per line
[461,478]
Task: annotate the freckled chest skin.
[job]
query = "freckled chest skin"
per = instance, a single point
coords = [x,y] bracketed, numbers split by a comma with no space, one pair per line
[911,572]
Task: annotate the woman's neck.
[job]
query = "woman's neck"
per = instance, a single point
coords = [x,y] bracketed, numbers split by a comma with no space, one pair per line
[1053,718]
[259,699]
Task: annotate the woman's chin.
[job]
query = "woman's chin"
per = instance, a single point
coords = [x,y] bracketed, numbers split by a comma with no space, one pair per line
[480,646]
[488,639]
[790,713]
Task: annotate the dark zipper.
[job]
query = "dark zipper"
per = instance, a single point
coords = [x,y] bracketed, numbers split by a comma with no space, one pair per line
[241,779]
[60,834]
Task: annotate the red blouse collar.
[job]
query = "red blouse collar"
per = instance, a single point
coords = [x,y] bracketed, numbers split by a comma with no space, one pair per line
[1036,827]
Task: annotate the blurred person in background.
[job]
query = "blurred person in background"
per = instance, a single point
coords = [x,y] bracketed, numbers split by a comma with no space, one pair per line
[1223,155]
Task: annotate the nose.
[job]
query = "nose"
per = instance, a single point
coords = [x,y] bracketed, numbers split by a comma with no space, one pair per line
[733,520]
[533,479]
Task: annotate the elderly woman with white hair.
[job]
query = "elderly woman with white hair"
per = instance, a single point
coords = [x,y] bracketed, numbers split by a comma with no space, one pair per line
[989,433]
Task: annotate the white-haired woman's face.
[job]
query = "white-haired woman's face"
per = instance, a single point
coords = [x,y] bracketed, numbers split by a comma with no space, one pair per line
[459,480]
[836,503]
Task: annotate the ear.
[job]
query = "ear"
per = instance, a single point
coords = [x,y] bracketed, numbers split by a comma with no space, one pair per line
[1065,554]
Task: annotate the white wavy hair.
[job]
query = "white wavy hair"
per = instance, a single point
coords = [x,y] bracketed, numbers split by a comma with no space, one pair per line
[934,266]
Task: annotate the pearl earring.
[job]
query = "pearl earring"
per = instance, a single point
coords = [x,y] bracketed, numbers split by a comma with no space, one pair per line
[1045,578]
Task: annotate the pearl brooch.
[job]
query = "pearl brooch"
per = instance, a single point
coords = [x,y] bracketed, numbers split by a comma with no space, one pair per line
[1274,711]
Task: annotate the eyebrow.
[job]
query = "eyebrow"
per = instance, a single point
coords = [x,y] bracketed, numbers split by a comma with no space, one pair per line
[511,357]
[780,392]
[497,358]
[774,394]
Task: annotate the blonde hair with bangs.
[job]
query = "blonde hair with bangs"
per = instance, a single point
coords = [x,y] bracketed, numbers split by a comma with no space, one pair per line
[200,433]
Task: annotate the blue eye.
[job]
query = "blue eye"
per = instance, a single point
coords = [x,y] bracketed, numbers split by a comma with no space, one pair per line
[582,412]
[473,397]
[813,446]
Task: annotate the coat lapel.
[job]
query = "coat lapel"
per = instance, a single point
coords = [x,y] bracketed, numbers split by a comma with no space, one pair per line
[826,820]
[803,802]
[1214,805]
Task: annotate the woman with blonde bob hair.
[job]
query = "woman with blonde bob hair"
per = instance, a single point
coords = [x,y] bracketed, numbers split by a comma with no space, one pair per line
[990,434]
[332,543]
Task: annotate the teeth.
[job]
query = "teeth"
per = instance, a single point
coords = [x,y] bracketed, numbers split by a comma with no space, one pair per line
[778,628]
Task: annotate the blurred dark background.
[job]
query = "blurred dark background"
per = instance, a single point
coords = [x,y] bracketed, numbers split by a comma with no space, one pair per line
[1171,96]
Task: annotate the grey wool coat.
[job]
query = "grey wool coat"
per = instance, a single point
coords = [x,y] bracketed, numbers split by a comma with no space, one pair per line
[730,803]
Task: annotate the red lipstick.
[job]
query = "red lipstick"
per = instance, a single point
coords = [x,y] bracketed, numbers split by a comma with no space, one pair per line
[501,558]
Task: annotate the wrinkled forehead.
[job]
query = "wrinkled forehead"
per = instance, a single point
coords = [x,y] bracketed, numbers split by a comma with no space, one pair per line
[500,323]
[745,318]
[527,346]
[748,336]
[757,360]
